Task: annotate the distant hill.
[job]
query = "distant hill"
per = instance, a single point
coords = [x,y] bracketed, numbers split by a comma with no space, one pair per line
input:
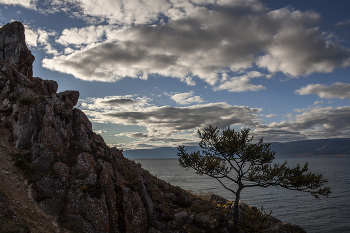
[338,146]
[161,152]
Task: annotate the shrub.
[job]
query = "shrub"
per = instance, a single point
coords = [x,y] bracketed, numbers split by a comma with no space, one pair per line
[254,220]
[200,208]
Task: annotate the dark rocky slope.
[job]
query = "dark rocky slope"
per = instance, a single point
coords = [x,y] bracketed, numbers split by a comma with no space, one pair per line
[85,185]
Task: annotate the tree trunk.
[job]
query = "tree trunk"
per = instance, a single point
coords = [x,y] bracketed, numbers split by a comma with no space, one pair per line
[235,209]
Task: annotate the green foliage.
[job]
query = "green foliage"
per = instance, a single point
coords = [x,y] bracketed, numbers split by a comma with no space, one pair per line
[254,220]
[200,207]
[232,156]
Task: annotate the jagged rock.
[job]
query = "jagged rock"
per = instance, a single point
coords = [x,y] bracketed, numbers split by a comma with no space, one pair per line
[70,98]
[25,126]
[85,165]
[50,139]
[45,87]
[82,129]
[14,49]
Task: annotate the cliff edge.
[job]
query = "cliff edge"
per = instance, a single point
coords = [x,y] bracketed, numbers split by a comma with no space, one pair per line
[71,181]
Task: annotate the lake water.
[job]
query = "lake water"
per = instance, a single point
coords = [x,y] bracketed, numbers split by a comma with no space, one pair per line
[322,215]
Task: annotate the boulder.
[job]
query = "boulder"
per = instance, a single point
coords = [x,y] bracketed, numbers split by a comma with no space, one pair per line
[181,217]
[203,220]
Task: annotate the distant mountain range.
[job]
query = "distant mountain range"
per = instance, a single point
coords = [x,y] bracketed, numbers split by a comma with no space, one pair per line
[338,146]
[318,147]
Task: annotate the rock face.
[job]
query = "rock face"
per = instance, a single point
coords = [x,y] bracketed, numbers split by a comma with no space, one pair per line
[14,49]
[75,177]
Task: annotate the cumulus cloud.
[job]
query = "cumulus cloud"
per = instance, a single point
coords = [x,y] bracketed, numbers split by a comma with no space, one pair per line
[79,36]
[100,131]
[37,37]
[186,98]
[318,102]
[197,42]
[268,116]
[240,83]
[31,36]
[124,12]
[337,90]
[298,49]
[29,4]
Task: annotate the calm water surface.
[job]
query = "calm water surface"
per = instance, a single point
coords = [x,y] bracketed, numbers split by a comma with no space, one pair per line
[322,215]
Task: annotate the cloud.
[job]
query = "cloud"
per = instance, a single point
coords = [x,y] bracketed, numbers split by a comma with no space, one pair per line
[185,118]
[31,36]
[117,103]
[186,98]
[197,42]
[172,126]
[29,4]
[241,83]
[268,116]
[79,36]
[300,50]
[37,37]
[111,62]
[313,123]
[122,12]
[100,131]
[133,135]
[318,102]
[337,90]
[165,125]
[344,24]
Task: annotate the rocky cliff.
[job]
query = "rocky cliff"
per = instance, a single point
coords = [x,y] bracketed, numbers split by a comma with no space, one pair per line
[75,178]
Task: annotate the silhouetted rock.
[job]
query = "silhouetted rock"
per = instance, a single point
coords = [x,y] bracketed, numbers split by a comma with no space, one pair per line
[14,49]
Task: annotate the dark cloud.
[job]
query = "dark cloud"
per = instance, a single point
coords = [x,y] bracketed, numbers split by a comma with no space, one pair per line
[219,114]
[138,135]
[337,90]
[314,123]
[118,102]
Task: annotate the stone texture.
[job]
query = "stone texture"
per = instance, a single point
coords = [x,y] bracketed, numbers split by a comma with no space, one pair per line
[13,48]
[204,220]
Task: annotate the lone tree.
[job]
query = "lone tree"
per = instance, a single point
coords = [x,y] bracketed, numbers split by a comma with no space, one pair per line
[232,156]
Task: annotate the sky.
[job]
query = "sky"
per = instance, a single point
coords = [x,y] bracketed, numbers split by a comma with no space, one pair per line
[152,72]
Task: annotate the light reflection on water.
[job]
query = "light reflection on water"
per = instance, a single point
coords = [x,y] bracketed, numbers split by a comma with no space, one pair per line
[322,215]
